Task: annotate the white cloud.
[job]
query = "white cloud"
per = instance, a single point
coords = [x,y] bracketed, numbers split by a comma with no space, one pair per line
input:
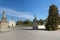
[14,13]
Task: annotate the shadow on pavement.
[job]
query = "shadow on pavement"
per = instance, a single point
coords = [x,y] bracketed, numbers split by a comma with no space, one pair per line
[32,29]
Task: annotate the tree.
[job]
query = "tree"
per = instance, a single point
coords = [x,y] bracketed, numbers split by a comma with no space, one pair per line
[59,19]
[20,22]
[53,18]
[38,22]
[41,21]
[27,22]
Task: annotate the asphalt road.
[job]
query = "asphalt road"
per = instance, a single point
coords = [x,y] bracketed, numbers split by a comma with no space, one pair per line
[22,34]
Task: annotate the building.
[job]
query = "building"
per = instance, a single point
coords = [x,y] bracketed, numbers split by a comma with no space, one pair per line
[12,23]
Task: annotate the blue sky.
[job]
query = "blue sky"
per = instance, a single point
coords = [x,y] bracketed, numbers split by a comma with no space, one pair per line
[26,9]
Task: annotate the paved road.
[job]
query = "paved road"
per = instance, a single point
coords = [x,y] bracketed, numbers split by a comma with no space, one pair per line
[17,34]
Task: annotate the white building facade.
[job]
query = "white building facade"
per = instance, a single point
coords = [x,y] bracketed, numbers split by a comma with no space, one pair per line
[12,23]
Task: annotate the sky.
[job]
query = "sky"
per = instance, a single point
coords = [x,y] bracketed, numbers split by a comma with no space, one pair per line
[26,9]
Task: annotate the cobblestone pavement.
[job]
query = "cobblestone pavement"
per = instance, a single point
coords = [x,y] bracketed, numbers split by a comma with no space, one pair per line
[17,34]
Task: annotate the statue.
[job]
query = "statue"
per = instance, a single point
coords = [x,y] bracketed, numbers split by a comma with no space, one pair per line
[4,23]
[4,19]
[35,23]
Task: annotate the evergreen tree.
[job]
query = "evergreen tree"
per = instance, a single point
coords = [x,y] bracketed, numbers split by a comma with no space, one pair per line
[53,18]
